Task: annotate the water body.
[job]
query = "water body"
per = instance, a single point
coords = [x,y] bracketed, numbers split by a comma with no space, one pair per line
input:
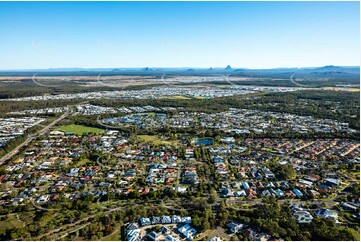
[205,141]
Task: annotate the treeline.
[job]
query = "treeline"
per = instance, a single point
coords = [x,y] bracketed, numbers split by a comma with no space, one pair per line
[321,95]
[277,83]
[12,144]
[27,88]
[12,106]
[338,105]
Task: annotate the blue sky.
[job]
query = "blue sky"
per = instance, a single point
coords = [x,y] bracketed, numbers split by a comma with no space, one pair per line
[178,34]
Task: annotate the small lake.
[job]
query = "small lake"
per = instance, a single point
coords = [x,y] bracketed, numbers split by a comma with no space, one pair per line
[205,141]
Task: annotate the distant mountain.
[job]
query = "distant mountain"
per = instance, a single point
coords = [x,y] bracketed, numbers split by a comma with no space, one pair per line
[67,69]
[329,68]
[147,69]
[329,71]
[239,70]
[228,68]
[335,70]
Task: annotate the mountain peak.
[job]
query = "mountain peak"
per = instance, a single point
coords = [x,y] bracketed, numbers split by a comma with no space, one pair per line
[228,68]
[147,69]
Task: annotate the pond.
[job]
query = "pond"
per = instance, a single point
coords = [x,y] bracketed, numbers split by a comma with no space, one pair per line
[205,141]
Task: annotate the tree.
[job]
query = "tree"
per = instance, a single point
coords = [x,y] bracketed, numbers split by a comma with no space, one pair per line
[197,221]
[206,224]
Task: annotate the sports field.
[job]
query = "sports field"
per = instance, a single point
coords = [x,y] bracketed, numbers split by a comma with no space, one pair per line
[80,129]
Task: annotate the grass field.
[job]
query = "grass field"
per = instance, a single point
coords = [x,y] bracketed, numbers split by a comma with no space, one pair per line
[115,236]
[80,129]
[151,114]
[269,150]
[82,162]
[342,89]
[176,97]
[218,232]
[156,140]
[11,222]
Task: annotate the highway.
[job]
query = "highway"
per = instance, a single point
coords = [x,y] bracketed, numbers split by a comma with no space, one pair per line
[15,151]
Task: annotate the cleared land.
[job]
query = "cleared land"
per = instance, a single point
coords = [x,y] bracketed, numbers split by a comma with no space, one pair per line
[156,140]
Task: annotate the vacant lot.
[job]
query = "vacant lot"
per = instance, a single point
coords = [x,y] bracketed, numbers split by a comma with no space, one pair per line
[156,140]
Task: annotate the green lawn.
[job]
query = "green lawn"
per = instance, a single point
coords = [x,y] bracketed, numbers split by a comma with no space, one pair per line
[152,114]
[269,150]
[80,129]
[82,162]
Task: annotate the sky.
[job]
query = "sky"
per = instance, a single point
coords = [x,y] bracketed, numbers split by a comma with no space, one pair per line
[37,35]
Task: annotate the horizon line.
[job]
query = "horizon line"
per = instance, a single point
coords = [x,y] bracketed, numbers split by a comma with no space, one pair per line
[184,67]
